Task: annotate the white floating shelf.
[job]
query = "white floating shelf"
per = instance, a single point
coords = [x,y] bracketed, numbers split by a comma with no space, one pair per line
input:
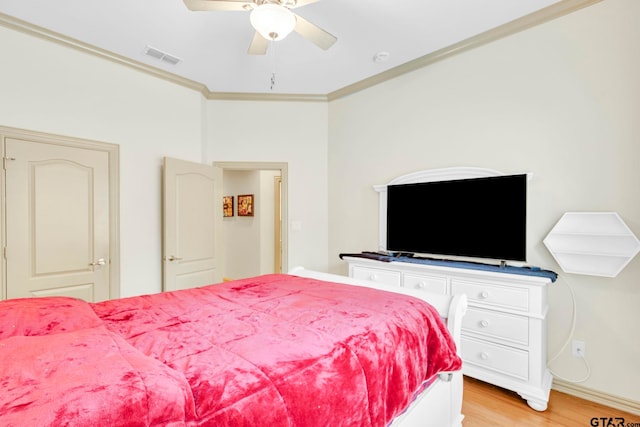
[594,243]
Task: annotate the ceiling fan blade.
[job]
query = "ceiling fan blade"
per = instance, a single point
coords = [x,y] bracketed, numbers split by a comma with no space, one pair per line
[292,4]
[204,5]
[314,34]
[258,45]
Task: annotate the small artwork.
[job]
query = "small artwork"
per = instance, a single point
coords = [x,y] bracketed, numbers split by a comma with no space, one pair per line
[245,205]
[227,206]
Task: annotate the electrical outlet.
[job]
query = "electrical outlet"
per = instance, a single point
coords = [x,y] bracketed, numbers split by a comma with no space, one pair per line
[578,348]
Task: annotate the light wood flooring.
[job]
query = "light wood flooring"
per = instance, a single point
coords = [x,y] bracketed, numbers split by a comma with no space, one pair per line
[485,405]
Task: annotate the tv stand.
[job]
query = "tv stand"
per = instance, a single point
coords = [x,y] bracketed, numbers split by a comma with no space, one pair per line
[504,332]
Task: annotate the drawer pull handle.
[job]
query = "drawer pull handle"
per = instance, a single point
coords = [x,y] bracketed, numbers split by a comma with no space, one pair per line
[484,356]
[484,294]
[373,277]
[420,285]
[484,323]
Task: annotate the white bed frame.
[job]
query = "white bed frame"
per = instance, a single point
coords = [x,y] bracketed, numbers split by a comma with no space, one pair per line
[441,404]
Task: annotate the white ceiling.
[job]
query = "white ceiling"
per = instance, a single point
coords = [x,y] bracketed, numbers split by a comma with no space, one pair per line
[213,46]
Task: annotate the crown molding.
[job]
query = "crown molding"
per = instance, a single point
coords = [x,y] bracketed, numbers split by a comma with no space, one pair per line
[238,96]
[547,14]
[562,8]
[52,36]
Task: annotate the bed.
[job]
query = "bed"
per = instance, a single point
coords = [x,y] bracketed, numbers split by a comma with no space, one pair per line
[301,349]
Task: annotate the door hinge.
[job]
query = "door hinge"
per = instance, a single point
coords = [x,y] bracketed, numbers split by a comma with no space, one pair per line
[4,161]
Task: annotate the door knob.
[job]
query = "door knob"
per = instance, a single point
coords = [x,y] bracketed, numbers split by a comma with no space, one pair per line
[172,258]
[100,262]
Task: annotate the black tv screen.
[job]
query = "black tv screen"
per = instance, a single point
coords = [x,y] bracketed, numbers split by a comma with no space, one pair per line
[479,218]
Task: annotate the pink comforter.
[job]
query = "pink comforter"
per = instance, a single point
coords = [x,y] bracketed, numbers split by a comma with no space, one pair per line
[275,350]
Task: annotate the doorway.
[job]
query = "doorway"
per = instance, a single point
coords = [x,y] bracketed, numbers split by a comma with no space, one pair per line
[255,244]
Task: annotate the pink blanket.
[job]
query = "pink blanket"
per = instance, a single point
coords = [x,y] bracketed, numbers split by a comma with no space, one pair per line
[275,350]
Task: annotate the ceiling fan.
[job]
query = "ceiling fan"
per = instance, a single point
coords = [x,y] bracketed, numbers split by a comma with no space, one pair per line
[272,19]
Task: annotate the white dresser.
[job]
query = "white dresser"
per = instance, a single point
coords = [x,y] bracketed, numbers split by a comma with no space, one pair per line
[504,331]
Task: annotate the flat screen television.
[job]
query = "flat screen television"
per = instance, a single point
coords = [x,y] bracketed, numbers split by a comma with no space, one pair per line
[478,218]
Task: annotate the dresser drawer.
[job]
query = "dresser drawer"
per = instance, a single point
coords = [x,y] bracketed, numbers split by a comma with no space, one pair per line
[509,327]
[487,294]
[502,359]
[428,283]
[376,275]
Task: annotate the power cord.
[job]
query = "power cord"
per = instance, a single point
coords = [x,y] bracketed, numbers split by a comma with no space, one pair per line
[568,340]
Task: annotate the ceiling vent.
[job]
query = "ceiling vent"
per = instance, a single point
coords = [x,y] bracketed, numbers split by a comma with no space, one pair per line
[162,56]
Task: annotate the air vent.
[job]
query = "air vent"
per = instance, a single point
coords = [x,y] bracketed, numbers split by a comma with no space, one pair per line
[162,56]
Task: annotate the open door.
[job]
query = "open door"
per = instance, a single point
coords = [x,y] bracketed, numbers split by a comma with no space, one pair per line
[192,210]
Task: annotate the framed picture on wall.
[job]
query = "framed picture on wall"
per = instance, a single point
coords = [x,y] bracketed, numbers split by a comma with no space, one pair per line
[245,205]
[227,206]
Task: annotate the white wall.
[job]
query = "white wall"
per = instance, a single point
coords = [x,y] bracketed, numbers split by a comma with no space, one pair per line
[50,88]
[290,132]
[562,101]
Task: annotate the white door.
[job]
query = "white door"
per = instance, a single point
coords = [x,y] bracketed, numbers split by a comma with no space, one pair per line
[192,210]
[57,221]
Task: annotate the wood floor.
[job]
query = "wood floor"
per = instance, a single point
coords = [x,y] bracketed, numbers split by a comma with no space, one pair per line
[485,405]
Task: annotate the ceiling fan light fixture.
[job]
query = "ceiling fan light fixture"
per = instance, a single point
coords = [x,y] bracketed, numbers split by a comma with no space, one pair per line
[272,21]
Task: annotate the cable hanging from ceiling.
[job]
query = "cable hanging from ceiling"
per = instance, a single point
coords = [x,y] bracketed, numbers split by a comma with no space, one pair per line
[273,65]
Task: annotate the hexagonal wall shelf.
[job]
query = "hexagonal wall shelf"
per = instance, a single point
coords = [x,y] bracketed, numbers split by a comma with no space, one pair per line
[593,243]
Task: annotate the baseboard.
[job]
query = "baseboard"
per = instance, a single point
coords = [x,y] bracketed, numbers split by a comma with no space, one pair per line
[602,398]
